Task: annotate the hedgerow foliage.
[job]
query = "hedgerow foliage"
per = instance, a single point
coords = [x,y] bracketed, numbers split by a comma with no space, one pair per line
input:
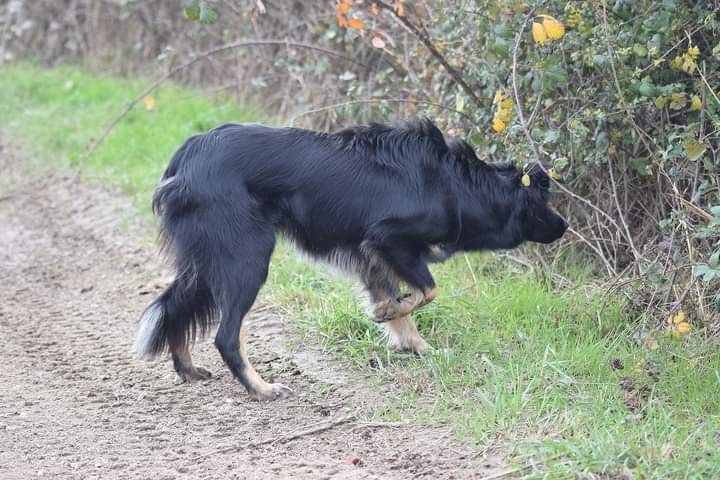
[621,96]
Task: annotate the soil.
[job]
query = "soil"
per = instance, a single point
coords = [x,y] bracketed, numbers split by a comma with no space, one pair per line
[76,270]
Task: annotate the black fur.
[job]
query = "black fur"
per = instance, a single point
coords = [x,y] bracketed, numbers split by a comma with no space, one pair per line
[380,201]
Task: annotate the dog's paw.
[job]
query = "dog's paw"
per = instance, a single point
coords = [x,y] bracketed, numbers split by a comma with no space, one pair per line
[415,344]
[386,310]
[272,391]
[192,375]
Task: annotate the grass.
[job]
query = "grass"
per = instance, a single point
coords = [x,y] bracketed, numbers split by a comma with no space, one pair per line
[517,363]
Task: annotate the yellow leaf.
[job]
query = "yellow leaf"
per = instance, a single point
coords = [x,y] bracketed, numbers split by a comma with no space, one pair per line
[694,149]
[149,102]
[677,101]
[378,42]
[696,103]
[525,180]
[507,103]
[503,114]
[679,317]
[498,125]
[660,102]
[693,52]
[499,95]
[554,28]
[459,103]
[356,23]
[684,327]
[538,33]
[554,174]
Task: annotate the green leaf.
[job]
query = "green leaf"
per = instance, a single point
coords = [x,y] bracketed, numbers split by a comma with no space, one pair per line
[714,260]
[602,142]
[551,136]
[192,10]
[207,14]
[647,90]
[554,73]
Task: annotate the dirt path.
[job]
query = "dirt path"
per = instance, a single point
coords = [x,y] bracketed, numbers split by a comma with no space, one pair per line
[75,271]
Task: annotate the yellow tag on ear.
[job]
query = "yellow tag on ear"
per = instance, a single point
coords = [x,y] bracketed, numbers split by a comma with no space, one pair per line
[554,175]
[525,180]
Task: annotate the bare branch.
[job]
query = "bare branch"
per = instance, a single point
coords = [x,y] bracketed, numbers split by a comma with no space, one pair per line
[197,58]
[422,35]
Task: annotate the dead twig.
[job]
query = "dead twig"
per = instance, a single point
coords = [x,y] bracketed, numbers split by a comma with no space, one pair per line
[422,35]
[379,425]
[335,106]
[209,53]
[284,439]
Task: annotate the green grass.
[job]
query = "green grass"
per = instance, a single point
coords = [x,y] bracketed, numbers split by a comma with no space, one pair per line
[518,365]
[60,112]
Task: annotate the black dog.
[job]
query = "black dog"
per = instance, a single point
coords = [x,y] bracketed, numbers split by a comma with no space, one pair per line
[377,201]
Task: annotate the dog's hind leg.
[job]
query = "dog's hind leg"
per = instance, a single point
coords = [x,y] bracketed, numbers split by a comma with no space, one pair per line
[241,280]
[183,364]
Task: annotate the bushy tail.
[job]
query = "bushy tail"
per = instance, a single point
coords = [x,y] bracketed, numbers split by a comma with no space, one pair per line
[184,310]
[187,306]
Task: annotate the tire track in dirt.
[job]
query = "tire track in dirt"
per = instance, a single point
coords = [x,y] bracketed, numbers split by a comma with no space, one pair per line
[75,271]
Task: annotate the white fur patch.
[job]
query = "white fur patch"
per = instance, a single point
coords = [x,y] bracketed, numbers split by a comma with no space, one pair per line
[149,324]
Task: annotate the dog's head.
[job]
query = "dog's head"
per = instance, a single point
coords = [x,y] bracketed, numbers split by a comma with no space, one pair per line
[539,222]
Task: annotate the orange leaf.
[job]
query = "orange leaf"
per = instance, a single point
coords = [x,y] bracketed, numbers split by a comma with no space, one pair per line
[375,9]
[400,9]
[356,23]
[343,7]
[341,20]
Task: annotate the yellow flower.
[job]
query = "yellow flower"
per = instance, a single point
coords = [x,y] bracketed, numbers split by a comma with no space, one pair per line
[554,29]
[538,33]
[498,125]
[696,103]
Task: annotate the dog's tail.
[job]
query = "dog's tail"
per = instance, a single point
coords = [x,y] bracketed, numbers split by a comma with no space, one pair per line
[184,310]
[187,305]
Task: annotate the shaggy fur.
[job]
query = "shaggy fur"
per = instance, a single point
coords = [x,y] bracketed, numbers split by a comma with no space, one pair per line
[377,201]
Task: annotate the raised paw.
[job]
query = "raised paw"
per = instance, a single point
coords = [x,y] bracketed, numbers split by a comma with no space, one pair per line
[192,375]
[271,391]
[386,310]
